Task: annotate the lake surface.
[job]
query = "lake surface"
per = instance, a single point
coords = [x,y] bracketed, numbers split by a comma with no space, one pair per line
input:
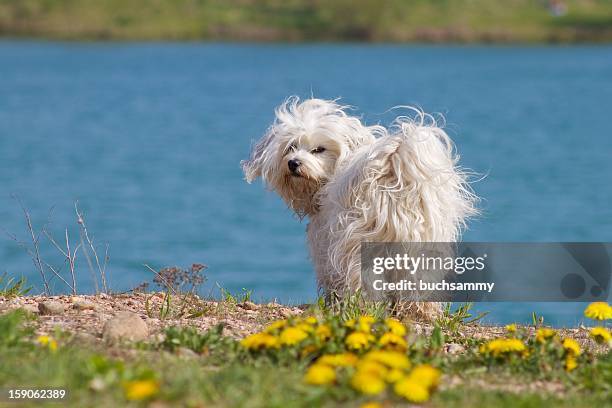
[148,138]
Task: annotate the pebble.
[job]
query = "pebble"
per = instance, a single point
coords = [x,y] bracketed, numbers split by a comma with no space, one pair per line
[185,352]
[30,308]
[84,338]
[51,307]
[249,305]
[83,305]
[125,326]
[454,348]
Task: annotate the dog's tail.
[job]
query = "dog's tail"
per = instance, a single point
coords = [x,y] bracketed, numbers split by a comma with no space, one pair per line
[406,187]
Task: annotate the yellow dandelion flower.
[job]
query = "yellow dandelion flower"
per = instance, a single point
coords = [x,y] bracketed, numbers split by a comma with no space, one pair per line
[140,389]
[411,390]
[276,325]
[308,350]
[570,363]
[350,323]
[601,335]
[372,368]
[511,328]
[396,327]
[393,340]
[367,383]
[323,332]
[259,341]
[43,340]
[371,404]
[305,327]
[311,320]
[339,360]
[358,340]
[572,347]
[499,347]
[598,311]
[542,335]
[426,375]
[47,341]
[392,359]
[394,375]
[364,323]
[292,336]
[320,374]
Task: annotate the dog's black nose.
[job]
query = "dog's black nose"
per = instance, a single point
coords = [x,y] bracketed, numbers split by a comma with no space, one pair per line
[294,164]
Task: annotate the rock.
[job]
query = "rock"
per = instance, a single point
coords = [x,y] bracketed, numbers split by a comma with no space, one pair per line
[185,352]
[30,308]
[454,348]
[5,308]
[125,326]
[97,384]
[246,305]
[84,338]
[284,312]
[51,307]
[83,305]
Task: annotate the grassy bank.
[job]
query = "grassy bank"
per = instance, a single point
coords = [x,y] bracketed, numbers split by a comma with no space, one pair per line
[237,353]
[304,20]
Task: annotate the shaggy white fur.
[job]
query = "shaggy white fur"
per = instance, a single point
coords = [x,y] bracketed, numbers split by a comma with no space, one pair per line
[360,183]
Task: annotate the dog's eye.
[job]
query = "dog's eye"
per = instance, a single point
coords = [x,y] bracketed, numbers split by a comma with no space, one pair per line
[291,148]
[319,149]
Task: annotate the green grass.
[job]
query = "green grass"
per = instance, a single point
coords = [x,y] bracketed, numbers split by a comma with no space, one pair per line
[303,20]
[11,287]
[225,374]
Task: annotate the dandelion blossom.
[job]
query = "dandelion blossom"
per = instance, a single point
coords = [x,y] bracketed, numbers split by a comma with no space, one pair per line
[500,347]
[364,323]
[570,363]
[292,336]
[323,332]
[320,374]
[310,320]
[358,340]
[339,360]
[411,390]
[601,335]
[598,311]
[371,404]
[511,328]
[372,368]
[394,375]
[47,341]
[259,341]
[140,389]
[572,347]
[392,359]
[276,325]
[393,340]
[396,327]
[367,383]
[542,335]
[426,375]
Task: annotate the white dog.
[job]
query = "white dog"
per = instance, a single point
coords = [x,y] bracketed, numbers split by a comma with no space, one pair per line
[360,183]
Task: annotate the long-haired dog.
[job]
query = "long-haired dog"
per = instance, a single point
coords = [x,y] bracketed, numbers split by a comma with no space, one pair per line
[360,183]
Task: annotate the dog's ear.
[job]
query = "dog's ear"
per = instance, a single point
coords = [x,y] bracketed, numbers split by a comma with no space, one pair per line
[253,167]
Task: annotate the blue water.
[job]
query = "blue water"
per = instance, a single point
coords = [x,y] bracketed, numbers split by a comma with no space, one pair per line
[148,137]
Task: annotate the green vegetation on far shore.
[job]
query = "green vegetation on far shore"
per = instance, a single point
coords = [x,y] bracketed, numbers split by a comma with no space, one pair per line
[307,20]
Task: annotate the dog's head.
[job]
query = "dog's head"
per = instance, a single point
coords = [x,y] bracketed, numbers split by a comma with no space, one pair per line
[303,148]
